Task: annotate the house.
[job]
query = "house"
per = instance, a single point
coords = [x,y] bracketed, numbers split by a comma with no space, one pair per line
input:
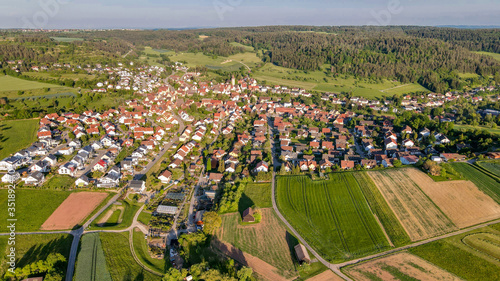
[388,162]
[137,186]
[390,143]
[82,181]
[101,165]
[216,177]
[110,180]
[176,163]
[302,254]
[452,157]
[409,160]
[165,177]
[51,159]
[368,163]
[262,167]
[11,177]
[408,143]
[347,164]
[40,166]
[10,163]
[425,133]
[35,178]
[68,169]
[247,215]
[231,168]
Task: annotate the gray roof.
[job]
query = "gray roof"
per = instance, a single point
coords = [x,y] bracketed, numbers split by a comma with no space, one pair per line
[162,209]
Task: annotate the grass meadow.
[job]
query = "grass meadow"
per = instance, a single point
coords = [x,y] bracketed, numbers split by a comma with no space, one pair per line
[16,135]
[33,207]
[332,215]
[129,210]
[141,251]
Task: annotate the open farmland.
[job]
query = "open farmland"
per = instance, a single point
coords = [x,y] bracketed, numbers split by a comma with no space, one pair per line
[461,201]
[467,255]
[484,182]
[492,167]
[91,264]
[16,135]
[66,216]
[33,207]
[417,213]
[119,259]
[402,266]
[332,215]
[381,209]
[268,240]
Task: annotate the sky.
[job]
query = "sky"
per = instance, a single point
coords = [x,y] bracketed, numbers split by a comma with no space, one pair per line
[91,14]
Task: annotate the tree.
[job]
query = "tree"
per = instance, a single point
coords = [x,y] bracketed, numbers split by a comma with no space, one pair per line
[221,166]
[212,222]
[397,163]
[245,273]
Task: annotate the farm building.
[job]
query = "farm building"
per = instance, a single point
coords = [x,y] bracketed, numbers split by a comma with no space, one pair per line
[248,215]
[166,210]
[302,254]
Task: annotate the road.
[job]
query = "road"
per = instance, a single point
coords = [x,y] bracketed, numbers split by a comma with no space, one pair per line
[92,164]
[359,149]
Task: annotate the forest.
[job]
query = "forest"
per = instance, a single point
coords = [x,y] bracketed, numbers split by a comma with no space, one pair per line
[430,56]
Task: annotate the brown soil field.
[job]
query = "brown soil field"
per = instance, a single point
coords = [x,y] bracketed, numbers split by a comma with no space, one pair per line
[461,201]
[262,268]
[73,210]
[404,264]
[419,216]
[327,275]
[267,240]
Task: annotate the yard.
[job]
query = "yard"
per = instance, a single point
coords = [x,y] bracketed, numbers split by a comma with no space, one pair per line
[119,259]
[59,182]
[332,215]
[33,207]
[16,135]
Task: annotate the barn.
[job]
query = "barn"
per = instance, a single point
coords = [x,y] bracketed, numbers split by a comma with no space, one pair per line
[248,215]
[302,254]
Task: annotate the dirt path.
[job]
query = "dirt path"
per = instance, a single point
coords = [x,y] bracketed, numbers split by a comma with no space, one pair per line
[383,230]
[261,267]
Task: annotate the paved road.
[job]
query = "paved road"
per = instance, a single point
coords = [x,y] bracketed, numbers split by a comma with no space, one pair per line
[92,164]
[359,148]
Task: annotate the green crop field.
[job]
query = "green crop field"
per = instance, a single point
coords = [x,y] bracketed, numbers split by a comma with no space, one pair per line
[141,251]
[129,210]
[382,210]
[16,135]
[484,182]
[91,263]
[491,166]
[332,215]
[36,247]
[470,256]
[72,76]
[119,259]
[144,217]
[33,207]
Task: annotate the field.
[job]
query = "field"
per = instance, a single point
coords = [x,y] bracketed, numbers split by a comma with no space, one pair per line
[9,87]
[493,55]
[112,216]
[16,135]
[67,216]
[484,182]
[315,80]
[119,259]
[91,263]
[331,215]
[420,217]
[66,39]
[72,76]
[258,194]
[381,209]
[461,201]
[33,207]
[402,266]
[32,248]
[492,166]
[268,240]
[141,251]
[470,127]
[129,210]
[467,255]
[144,217]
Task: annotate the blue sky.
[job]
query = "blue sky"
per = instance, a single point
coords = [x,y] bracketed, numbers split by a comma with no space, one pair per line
[226,13]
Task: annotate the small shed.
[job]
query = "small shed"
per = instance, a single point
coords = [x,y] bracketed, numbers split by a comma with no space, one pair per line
[302,254]
[248,215]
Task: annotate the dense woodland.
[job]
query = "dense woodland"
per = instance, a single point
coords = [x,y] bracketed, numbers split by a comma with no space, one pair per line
[430,56]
